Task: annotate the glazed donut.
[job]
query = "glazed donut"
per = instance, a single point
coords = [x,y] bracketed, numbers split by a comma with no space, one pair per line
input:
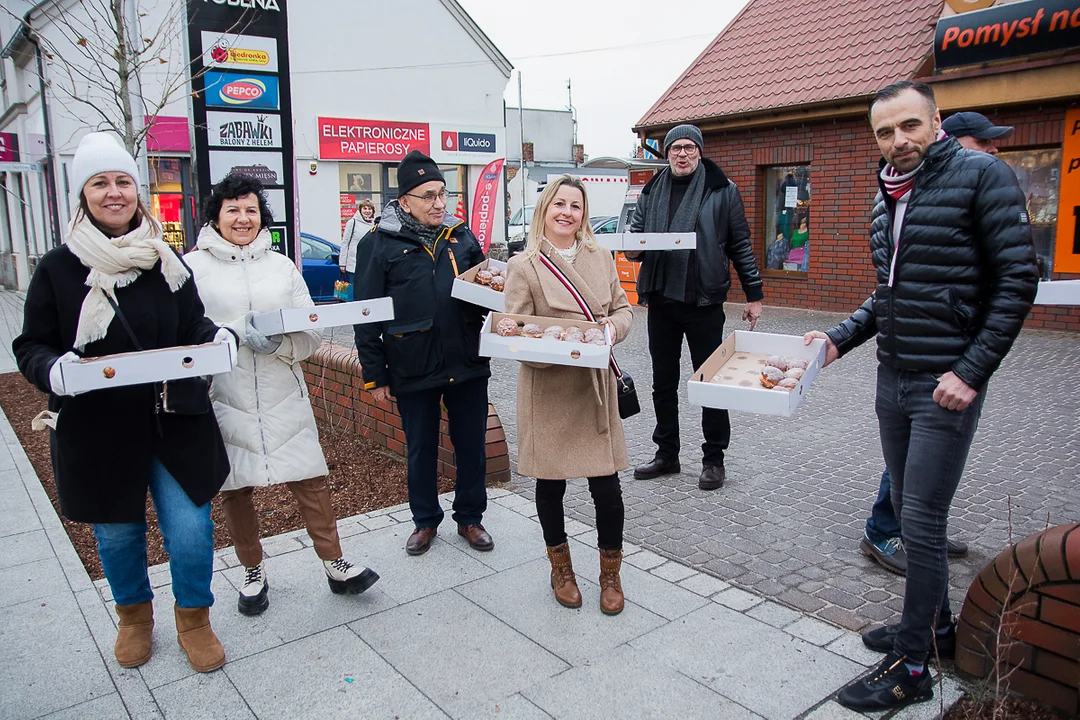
[771,376]
[532,330]
[554,332]
[507,327]
[484,277]
[498,282]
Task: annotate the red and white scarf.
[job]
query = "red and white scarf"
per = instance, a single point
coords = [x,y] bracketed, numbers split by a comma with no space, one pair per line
[899,184]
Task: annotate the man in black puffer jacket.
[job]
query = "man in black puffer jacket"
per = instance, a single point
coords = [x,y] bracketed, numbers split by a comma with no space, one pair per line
[685,290]
[951,244]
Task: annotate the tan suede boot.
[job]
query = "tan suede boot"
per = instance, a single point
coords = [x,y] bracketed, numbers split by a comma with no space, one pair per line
[134,634]
[611,594]
[563,581]
[197,639]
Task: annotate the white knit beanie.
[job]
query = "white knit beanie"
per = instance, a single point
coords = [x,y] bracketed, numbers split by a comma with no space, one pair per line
[99,152]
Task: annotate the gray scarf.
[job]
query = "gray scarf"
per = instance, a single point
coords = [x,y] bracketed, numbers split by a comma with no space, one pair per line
[426,233]
[672,265]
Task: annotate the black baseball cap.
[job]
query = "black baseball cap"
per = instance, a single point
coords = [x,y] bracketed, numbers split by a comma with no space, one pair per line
[973,124]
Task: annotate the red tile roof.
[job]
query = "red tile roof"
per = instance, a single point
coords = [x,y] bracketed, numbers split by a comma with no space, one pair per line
[782,53]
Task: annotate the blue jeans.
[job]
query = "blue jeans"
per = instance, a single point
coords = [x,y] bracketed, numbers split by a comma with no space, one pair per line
[189,540]
[926,448]
[882,523]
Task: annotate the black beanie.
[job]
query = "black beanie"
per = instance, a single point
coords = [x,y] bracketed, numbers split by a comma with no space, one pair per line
[415,170]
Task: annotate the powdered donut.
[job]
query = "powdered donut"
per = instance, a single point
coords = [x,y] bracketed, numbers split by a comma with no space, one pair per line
[795,373]
[574,334]
[498,282]
[777,362]
[495,272]
[554,332]
[507,327]
[484,277]
[532,330]
[788,384]
[801,364]
[771,375]
[595,336]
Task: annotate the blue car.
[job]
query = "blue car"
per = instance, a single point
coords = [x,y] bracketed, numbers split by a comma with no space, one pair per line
[319,263]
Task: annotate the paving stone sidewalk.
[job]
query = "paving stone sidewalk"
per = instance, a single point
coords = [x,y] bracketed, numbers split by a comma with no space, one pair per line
[787,524]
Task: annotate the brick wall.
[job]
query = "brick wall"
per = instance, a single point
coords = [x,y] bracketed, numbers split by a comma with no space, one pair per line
[843,160]
[338,396]
[1021,618]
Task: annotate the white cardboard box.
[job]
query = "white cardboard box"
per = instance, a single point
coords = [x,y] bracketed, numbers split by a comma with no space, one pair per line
[359,312]
[1058,292]
[466,289]
[147,366]
[544,350]
[648,241]
[744,353]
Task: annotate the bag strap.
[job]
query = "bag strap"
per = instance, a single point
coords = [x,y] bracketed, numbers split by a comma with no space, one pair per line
[572,289]
[124,322]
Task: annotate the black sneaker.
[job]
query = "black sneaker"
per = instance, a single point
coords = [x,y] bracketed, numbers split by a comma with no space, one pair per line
[882,639]
[890,685]
[888,553]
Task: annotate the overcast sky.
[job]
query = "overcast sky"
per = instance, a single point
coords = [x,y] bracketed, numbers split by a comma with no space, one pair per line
[612,88]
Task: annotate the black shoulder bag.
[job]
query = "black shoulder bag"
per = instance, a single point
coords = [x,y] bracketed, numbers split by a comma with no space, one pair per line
[628,399]
[186,396]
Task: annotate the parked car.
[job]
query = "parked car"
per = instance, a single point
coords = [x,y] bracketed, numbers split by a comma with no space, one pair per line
[319,266]
[604,224]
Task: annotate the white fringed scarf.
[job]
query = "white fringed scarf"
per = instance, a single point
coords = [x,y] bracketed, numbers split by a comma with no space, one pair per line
[117,262]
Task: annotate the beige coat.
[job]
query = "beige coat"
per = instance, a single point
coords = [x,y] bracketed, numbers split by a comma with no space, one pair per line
[568,418]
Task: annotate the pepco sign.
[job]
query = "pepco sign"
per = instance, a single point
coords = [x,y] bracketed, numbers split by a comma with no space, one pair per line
[242,91]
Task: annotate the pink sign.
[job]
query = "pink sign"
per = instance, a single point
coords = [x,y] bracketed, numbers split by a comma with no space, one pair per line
[9,147]
[483,209]
[168,134]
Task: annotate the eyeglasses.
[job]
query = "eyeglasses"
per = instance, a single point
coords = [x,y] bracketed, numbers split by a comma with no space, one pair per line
[687,150]
[430,197]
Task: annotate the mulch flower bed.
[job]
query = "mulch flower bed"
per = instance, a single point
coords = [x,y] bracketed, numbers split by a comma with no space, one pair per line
[1010,707]
[363,477]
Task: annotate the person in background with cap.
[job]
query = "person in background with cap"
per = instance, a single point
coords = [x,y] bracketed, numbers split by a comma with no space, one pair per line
[975,132]
[428,355]
[685,290]
[881,538]
[115,286]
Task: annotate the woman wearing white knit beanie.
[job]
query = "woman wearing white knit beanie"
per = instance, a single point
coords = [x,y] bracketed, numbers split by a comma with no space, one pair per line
[115,286]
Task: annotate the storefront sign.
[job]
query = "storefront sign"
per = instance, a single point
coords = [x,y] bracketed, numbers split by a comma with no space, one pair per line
[168,133]
[257,94]
[1067,243]
[251,92]
[267,167]
[9,147]
[467,145]
[239,52]
[243,130]
[371,140]
[483,210]
[1007,31]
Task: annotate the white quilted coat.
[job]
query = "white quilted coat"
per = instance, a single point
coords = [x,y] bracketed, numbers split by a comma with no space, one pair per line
[262,406]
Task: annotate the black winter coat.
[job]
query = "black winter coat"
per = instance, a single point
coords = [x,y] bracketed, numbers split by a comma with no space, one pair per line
[965,274]
[723,239]
[434,339]
[105,439]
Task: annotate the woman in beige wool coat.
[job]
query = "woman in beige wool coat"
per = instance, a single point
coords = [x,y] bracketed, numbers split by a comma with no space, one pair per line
[568,417]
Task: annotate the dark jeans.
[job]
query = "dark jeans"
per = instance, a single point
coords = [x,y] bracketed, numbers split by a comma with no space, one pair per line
[703,327]
[926,448]
[466,412]
[607,498]
[883,523]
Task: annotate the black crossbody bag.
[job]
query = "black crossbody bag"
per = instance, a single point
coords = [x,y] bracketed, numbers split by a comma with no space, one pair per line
[628,399]
[186,396]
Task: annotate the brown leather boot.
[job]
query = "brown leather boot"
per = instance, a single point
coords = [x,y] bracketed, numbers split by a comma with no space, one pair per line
[563,581]
[134,634]
[611,594]
[197,639]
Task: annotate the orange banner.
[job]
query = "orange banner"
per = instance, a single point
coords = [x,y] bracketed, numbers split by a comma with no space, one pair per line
[1067,244]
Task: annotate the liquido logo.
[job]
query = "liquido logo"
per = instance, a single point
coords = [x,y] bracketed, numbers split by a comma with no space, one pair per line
[449,141]
[468,142]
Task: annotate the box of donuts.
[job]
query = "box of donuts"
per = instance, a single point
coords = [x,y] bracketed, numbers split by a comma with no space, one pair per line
[359,312]
[647,241]
[757,373]
[557,341]
[147,366]
[482,285]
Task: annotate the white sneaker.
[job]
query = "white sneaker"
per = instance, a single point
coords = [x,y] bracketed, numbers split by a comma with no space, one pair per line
[344,577]
[253,600]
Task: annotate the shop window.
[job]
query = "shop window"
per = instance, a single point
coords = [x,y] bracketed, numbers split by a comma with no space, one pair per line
[167,198]
[787,218]
[1039,175]
[358,182]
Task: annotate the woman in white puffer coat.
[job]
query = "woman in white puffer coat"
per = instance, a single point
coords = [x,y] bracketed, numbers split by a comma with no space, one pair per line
[262,406]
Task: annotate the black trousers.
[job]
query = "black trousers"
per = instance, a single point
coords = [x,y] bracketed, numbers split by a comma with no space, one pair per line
[466,413]
[607,498]
[703,328]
